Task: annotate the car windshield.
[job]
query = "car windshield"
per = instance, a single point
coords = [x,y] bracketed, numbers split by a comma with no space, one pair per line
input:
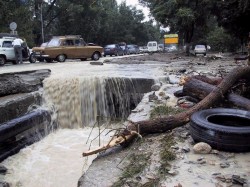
[54,42]
[200,46]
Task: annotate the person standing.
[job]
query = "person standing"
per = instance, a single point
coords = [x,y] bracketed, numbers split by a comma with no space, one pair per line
[17,43]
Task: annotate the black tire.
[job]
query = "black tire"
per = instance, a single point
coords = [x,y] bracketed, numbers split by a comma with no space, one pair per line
[83,59]
[222,128]
[2,60]
[61,58]
[95,56]
[32,58]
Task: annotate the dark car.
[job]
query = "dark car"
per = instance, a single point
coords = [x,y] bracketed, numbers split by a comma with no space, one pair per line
[113,49]
[133,49]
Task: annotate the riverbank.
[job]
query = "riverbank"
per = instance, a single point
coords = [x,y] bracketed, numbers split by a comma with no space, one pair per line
[168,159]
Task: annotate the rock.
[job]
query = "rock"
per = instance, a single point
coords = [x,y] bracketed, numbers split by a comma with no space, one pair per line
[225,165]
[3,169]
[173,79]
[156,87]
[4,184]
[152,97]
[202,148]
[22,82]
[236,179]
[186,149]
[172,172]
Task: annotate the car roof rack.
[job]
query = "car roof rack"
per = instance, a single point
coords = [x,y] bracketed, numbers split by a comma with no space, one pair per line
[2,35]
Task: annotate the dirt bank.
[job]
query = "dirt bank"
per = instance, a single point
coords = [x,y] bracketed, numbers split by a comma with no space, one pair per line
[168,159]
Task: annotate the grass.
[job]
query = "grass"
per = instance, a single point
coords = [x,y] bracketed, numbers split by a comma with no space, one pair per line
[138,163]
[163,110]
[166,154]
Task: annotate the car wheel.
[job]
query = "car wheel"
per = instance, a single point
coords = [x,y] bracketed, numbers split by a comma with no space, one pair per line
[32,58]
[222,128]
[83,59]
[95,56]
[2,60]
[61,58]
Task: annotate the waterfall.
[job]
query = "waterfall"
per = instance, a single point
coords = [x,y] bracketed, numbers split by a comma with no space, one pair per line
[80,100]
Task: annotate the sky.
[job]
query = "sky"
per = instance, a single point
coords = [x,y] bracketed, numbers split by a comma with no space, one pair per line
[136,4]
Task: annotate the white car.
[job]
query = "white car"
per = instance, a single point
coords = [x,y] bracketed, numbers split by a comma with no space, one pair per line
[199,49]
[7,53]
[152,46]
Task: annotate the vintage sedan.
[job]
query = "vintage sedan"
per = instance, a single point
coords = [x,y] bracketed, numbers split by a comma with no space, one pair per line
[60,48]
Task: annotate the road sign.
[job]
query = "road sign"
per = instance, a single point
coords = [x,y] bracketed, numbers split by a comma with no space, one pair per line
[13,26]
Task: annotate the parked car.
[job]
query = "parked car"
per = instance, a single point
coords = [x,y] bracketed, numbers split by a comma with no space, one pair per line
[113,49]
[61,48]
[171,47]
[152,46]
[7,53]
[124,46]
[160,47]
[143,49]
[199,49]
[133,49]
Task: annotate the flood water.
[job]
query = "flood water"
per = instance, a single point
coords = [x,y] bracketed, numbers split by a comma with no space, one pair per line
[56,160]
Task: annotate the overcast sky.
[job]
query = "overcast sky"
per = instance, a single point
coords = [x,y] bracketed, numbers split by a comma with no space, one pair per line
[136,4]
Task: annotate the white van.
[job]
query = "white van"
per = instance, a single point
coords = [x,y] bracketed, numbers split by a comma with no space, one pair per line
[152,46]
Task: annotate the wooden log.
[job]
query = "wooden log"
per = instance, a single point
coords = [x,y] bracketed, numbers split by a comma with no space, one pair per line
[199,89]
[170,122]
[22,82]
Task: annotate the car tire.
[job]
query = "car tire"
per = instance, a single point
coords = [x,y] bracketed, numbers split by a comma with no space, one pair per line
[32,58]
[61,58]
[83,59]
[2,60]
[95,56]
[222,128]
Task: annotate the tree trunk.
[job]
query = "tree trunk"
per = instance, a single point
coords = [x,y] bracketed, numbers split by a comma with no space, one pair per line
[190,88]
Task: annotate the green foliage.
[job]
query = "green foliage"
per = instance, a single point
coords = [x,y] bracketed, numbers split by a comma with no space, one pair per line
[219,40]
[98,21]
[191,18]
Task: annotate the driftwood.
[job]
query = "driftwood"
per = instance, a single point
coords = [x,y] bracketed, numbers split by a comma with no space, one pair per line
[170,122]
[190,89]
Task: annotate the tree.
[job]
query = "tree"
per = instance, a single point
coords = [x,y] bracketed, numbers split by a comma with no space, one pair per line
[233,16]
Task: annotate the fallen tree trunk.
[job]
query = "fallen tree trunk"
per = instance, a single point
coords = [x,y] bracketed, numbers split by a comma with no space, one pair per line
[190,88]
[170,122]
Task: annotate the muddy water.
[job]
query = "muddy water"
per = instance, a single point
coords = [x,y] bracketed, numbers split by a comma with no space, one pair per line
[73,87]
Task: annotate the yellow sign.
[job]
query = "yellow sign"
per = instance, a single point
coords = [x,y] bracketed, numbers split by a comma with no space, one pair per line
[171,40]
